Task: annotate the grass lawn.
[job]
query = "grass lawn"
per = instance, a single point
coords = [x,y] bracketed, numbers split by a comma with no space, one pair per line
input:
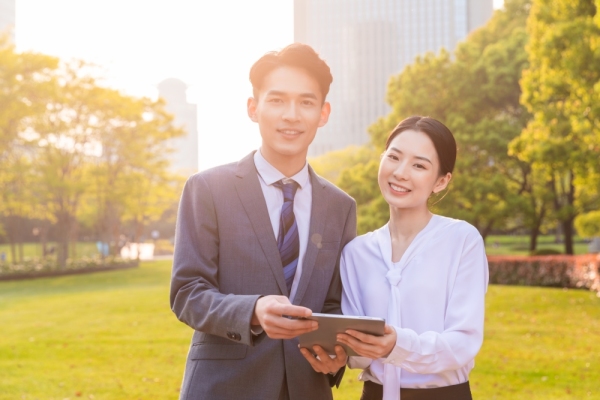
[112,336]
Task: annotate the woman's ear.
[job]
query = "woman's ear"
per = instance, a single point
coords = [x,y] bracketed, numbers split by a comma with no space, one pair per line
[442,183]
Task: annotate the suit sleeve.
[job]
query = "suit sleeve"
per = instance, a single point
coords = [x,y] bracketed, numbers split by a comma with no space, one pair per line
[195,297]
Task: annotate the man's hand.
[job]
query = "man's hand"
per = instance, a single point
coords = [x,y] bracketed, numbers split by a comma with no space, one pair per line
[280,319]
[325,364]
[369,345]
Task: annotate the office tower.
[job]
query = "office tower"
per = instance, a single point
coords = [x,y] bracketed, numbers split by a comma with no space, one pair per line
[365,42]
[7,18]
[185,157]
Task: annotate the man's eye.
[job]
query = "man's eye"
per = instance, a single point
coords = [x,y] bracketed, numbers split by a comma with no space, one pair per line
[307,103]
[274,100]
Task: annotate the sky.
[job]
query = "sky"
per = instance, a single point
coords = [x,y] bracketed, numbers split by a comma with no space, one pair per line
[210,45]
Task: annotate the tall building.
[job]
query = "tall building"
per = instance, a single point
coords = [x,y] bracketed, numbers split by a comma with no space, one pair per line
[185,157]
[365,42]
[7,17]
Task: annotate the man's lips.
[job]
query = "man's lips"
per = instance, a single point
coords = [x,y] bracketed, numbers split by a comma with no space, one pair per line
[398,188]
[290,132]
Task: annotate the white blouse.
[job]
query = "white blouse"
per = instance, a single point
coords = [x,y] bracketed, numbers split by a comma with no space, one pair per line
[433,297]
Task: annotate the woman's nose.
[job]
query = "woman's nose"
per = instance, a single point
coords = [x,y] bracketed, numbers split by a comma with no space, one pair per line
[401,171]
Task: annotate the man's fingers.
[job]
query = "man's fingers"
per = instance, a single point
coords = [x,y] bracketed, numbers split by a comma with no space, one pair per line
[278,327]
[340,352]
[316,364]
[291,310]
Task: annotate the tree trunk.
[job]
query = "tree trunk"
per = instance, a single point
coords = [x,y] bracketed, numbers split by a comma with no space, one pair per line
[568,235]
[567,224]
[535,229]
[11,234]
[63,226]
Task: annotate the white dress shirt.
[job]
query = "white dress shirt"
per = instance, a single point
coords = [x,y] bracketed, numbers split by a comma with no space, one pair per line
[268,175]
[433,297]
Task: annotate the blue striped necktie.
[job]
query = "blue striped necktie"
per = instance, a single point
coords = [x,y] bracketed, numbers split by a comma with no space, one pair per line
[288,241]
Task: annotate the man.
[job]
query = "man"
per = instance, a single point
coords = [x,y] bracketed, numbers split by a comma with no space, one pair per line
[257,247]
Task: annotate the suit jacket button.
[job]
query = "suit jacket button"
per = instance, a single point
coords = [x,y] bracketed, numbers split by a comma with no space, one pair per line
[237,336]
[230,335]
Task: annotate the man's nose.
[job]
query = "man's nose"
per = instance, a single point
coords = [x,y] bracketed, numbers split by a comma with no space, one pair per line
[291,112]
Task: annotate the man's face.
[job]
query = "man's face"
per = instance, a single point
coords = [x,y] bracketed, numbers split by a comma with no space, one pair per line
[288,110]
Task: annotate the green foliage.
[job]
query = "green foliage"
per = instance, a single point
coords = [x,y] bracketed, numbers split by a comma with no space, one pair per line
[561,88]
[331,165]
[588,224]
[73,152]
[475,92]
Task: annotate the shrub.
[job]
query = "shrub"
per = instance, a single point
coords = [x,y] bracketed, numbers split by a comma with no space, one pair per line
[565,271]
[34,267]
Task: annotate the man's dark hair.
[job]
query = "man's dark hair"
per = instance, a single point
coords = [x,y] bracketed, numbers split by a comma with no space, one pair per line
[296,55]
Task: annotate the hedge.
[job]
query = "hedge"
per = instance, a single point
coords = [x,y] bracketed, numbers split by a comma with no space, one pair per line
[566,271]
[41,268]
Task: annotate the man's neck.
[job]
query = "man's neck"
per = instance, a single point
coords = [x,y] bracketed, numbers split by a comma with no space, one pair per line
[287,165]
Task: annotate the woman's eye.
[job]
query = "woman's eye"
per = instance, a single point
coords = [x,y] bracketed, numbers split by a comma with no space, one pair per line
[392,156]
[420,166]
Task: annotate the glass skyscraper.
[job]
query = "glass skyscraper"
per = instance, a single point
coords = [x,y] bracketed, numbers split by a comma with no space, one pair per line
[365,42]
[7,17]
[185,156]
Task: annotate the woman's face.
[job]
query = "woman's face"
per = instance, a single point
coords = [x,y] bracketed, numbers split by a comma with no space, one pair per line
[409,171]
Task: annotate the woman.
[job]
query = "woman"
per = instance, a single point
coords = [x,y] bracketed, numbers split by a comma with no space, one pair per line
[425,274]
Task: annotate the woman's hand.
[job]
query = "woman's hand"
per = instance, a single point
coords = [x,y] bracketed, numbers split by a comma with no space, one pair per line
[369,345]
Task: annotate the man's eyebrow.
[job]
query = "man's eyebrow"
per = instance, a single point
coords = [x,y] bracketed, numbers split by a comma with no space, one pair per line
[417,157]
[280,93]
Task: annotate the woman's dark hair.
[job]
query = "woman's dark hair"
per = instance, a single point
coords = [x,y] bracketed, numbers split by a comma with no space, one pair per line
[295,55]
[440,135]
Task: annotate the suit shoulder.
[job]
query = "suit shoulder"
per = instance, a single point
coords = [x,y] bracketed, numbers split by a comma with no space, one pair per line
[336,191]
[214,174]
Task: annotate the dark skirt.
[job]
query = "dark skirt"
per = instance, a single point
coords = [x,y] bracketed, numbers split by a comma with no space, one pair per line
[462,391]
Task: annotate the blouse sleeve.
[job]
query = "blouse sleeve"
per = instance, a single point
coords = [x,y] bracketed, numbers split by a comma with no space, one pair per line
[434,352]
[351,304]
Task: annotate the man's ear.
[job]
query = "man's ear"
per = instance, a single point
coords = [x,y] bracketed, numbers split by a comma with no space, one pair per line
[442,183]
[325,111]
[251,107]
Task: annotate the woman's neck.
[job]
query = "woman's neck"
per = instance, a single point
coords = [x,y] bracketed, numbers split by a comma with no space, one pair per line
[406,224]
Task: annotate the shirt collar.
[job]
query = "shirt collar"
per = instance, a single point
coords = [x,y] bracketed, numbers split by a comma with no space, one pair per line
[270,174]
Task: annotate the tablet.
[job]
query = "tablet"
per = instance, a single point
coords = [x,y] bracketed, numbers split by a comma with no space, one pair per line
[332,324]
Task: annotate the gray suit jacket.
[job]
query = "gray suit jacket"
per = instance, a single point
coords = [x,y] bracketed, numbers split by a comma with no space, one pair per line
[226,257]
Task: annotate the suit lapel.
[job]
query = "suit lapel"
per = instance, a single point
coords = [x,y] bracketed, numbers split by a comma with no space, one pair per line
[251,196]
[318,215]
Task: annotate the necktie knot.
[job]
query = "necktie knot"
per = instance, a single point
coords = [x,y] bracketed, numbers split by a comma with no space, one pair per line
[288,189]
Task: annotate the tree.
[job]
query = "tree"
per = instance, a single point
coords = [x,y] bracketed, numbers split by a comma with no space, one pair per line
[130,178]
[476,94]
[25,87]
[561,89]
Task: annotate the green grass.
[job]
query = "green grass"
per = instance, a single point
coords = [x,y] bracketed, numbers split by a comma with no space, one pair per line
[112,336]
[519,245]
